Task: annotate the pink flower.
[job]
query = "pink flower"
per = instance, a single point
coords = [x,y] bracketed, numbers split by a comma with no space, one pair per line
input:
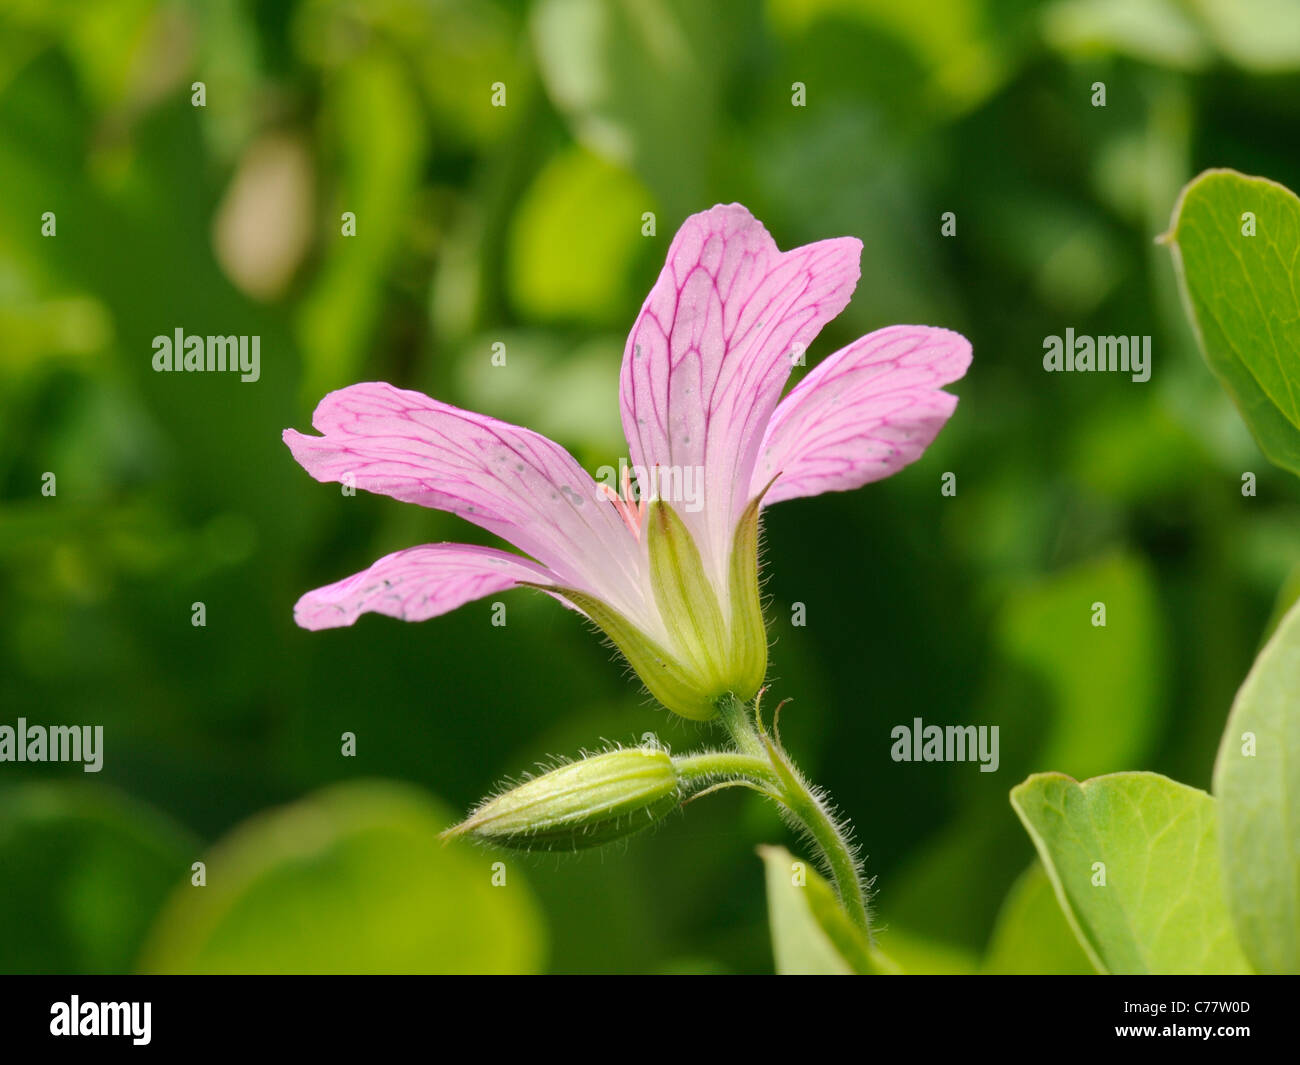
[674,584]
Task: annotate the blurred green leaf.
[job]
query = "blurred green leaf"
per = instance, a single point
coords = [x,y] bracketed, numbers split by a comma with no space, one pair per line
[1134,859]
[1241,294]
[964,50]
[1155,31]
[229,61]
[1257,782]
[84,870]
[574,238]
[111,44]
[567,392]
[1032,935]
[1261,35]
[351,879]
[458,50]
[811,934]
[902,951]
[1270,546]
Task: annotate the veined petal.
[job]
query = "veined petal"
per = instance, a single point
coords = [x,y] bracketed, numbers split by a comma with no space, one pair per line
[417,584]
[862,414]
[512,481]
[711,350]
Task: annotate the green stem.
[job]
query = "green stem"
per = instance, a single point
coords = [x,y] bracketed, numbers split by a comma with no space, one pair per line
[735,715]
[830,836]
[710,765]
[804,804]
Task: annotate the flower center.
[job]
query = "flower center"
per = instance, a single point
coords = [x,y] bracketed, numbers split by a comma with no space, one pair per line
[629,509]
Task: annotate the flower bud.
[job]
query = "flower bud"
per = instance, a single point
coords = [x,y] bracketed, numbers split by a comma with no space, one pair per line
[587,803]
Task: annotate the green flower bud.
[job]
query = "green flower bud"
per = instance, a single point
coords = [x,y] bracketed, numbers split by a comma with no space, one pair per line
[587,803]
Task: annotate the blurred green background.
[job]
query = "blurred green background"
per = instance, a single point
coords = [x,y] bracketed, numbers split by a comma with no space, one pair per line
[522,225]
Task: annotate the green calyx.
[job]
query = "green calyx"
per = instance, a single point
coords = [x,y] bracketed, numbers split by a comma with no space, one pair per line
[748,632]
[668,679]
[724,653]
[711,651]
[687,600]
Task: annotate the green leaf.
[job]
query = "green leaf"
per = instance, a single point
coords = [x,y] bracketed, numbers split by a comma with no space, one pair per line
[1242,296]
[1160,908]
[85,871]
[1032,936]
[1257,782]
[351,879]
[811,934]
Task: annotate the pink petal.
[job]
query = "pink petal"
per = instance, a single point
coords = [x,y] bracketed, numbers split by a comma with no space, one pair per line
[863,413]
[416,584]
[712,348]
[511,481]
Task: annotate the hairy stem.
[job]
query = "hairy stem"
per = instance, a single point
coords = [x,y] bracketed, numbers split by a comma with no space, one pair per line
[712,765]
[735,715]
[785,781]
